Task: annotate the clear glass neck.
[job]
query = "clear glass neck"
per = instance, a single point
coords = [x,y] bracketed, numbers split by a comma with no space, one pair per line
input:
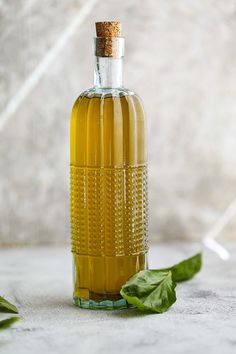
[108,72]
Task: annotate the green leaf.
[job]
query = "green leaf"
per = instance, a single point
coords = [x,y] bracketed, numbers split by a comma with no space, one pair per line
[155,289]
[150,290]
[186,269]
[8,322]
[6,306]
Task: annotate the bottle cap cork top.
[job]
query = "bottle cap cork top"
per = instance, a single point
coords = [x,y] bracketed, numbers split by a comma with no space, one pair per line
[109,42]
[108,29]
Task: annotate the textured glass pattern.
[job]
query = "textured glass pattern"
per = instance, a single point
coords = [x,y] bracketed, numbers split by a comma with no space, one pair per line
[109,211]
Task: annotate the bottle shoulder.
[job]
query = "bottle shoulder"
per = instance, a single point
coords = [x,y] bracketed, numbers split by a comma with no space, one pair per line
[107,97]
[107,92]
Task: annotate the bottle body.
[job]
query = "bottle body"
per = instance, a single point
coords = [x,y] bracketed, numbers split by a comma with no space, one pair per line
[109,201]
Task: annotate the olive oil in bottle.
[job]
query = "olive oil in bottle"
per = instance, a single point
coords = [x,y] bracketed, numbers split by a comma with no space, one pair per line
[109,202]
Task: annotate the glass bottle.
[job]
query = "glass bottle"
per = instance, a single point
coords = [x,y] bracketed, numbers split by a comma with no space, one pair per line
[109,201]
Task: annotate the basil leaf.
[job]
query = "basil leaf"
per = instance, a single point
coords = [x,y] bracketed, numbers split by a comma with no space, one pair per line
[150,290]
[186,269]
[8,322]
[6,306]
[155,289]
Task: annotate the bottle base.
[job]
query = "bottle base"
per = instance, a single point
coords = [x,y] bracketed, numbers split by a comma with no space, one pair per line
[104,304]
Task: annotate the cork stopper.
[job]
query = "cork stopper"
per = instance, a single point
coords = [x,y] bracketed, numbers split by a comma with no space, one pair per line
[108,29]
[108,42]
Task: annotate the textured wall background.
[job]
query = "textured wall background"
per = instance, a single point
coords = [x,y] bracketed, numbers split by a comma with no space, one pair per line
[180,57]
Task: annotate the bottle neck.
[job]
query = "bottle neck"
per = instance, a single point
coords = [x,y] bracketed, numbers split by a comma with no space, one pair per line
[108,72]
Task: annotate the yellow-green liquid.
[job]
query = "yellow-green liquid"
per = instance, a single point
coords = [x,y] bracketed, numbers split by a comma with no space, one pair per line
[108,194]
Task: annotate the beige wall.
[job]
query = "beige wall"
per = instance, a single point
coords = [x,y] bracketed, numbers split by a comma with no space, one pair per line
[180,58]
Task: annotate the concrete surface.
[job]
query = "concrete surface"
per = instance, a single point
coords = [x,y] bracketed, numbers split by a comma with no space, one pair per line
[38,280]
[180,58]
